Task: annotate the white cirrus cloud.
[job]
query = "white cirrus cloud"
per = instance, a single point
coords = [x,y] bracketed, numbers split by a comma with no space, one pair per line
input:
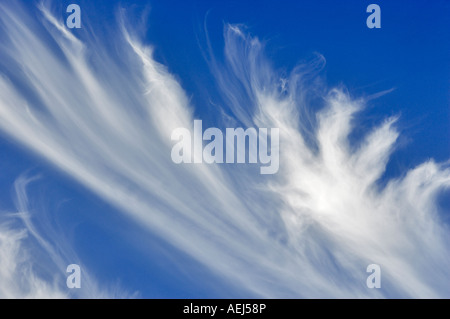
[105,118]
[33,263]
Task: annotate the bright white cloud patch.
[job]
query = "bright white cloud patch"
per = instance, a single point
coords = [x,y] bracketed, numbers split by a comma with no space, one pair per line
[105,118]
[16,269]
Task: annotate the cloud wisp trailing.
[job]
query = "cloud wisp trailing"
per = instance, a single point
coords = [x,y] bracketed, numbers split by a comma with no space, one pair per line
[33,262]
[106,118]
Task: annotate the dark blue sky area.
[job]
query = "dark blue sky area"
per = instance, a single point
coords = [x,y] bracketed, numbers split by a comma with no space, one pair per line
[410,54]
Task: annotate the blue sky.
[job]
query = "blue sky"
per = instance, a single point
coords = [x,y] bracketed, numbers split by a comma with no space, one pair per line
[92,210]
[408,54]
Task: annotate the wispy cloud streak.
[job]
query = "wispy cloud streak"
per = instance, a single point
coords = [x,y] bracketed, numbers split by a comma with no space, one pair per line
[33,262]
[105,118]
